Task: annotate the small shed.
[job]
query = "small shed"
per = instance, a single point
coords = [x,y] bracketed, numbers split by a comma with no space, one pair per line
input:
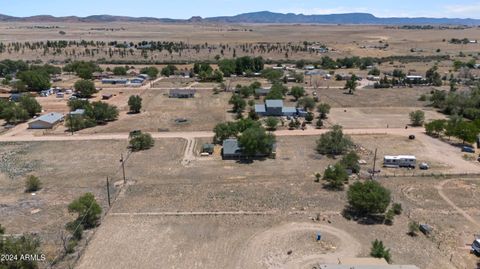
[208,148]
[182,93]
[47,121]
[77,113]
[107,96]
[262,91]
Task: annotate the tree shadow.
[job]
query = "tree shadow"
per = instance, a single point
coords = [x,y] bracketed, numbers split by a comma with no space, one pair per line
[363,219]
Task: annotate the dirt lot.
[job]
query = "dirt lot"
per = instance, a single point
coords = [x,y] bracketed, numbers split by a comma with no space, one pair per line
[282,195]
[377,117]
[202,113]
[345,40]
[278,198]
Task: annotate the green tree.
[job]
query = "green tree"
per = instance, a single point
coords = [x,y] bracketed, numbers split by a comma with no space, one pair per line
[336,176]
[466,131]
[378,250]
[323,109]
[168,70]
[102,112]
[88,210]
[151,71]
[271,123]
[307,103]
[224,131]
[417,118]
[272,75]
[433,77]
[75,123]
[368,198]
[413,228]
[256,140]
[84,88]
[351,84]
[309,117]
[238,103]
[83,69]
[227,66]
[14,114]
[397,208]
[374,72]
[297,92]
[319,124]
[119,71]
[18,246]
[135,103]
[350,161]
[36,81]
[435,127]
[334,142]
[32,184]
[142,141]
[31,105]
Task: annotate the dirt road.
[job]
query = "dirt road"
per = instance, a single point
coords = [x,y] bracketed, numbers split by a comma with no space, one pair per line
[26,137]
[462,212]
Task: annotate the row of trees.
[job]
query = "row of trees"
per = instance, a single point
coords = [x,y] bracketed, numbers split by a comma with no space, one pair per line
[465,103]
[467,131]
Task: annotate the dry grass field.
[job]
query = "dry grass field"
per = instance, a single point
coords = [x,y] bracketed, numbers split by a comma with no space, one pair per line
[153,219]
[209,213]
[146,226]
[345,40]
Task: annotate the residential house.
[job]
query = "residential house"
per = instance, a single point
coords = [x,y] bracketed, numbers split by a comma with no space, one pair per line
[275,108]
[47,121]
[182,93]
[232,150]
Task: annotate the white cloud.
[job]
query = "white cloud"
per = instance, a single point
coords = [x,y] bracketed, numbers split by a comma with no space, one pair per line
[471,10]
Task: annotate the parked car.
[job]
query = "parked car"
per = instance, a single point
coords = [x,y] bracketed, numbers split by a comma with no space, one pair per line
[468,149]
[426,229]
[424,166]
[476,246]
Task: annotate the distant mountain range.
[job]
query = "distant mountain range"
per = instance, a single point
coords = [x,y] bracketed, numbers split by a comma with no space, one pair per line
[256,17]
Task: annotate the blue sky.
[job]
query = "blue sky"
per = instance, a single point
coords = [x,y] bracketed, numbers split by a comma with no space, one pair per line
[207,8]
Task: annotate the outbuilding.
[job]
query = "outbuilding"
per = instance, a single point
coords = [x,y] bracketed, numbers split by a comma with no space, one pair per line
[181,93]
[47,121]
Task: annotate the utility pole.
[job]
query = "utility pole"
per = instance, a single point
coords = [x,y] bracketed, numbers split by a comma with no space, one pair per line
[123,169]
[374,164]
[108,192]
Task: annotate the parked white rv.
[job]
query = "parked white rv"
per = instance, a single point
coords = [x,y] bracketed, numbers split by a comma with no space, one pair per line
[400,161]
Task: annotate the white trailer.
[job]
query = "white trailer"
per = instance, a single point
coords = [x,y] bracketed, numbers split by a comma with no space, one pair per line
[408,161]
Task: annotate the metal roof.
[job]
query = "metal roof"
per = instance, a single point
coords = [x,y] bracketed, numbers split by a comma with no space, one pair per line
[274,103]
[260,109]
[289,110]
[231,147]
[50,118]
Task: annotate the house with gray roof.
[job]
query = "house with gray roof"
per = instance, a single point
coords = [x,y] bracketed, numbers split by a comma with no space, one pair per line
[275,108]
[47,121]
[232,150]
